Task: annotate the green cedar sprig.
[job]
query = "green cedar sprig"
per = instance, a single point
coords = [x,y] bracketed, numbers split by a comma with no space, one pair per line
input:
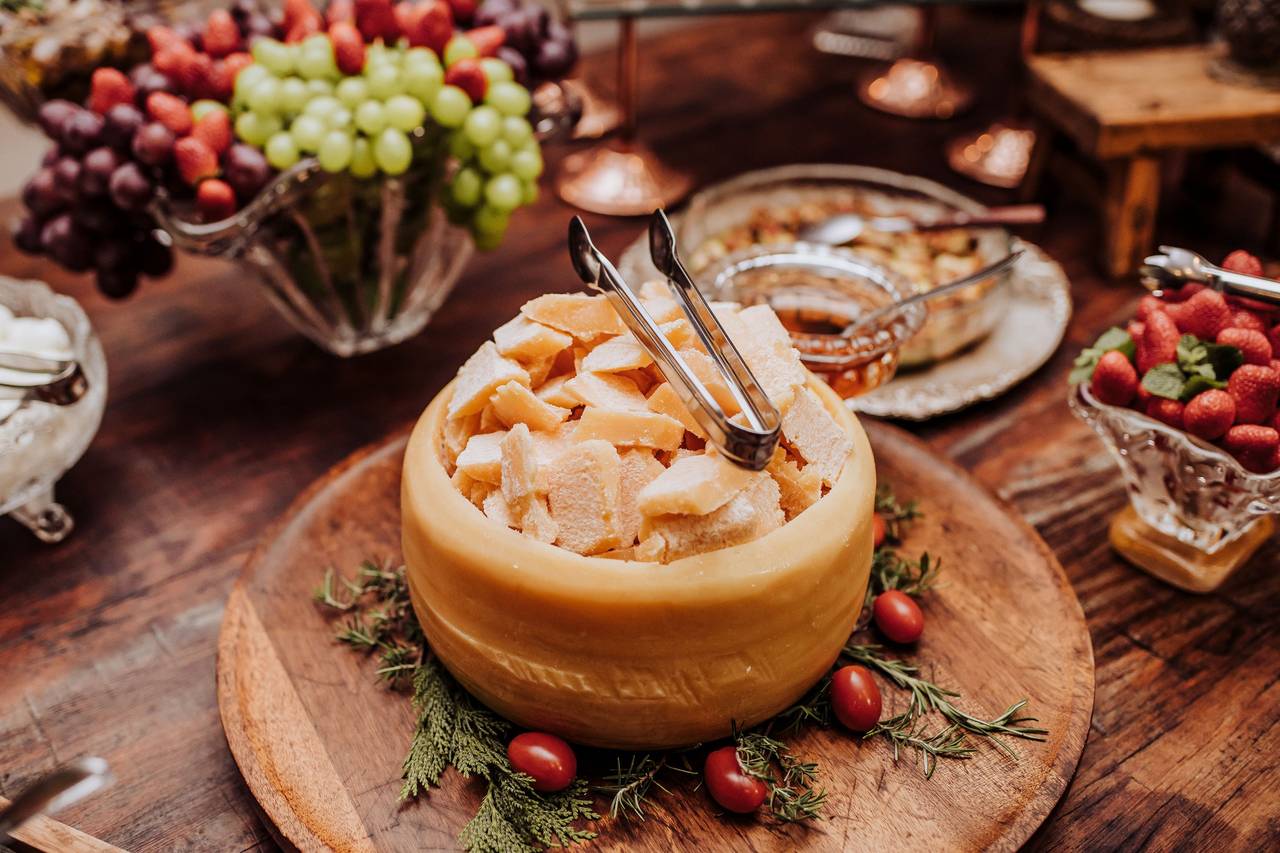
[793,792]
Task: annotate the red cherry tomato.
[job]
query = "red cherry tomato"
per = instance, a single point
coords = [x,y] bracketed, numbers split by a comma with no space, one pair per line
[898,616]
[855,698]
[547,758]
[878,529]
[729,786]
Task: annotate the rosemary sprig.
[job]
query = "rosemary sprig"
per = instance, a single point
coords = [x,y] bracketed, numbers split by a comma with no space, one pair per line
[895,514]
[903,732]
[628,788]
[793,796]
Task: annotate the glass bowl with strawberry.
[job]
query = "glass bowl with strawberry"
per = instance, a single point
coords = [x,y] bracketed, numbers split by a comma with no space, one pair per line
[351,158]
[1185,397]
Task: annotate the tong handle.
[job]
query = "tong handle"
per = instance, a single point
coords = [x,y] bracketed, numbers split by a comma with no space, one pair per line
[1243,284]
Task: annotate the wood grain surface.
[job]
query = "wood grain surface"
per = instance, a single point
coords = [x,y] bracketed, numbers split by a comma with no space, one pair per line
[219,416]
[322,754]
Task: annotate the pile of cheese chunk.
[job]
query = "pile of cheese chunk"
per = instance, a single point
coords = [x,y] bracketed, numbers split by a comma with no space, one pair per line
[562,427]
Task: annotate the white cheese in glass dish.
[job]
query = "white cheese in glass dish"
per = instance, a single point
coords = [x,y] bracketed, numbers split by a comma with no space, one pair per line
[39,441]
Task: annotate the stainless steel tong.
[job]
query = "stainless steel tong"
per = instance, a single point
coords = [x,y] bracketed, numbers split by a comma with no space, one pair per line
[53,381]
[751,445]
[1175,267]
[54,791]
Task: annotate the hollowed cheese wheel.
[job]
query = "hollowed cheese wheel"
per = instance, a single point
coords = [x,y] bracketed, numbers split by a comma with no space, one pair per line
[632,655]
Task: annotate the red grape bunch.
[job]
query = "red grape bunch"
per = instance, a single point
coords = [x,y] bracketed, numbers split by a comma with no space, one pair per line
[538,47]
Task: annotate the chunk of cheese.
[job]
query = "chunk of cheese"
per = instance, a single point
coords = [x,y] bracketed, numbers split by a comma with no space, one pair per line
[606,391]
[709,374]
[538,523]
[519,469]
[680,333]
[617,354]
[480,377]
[554,393]
[514,404]
[659,302]
[637,469]
[496,508]
[750,514]
[765,345]
[693,485]
[629,428]
[481,459]
[525,340]
[665,401]
[799,489]
[583,497]
[816,436]
[584,317]
[455,435]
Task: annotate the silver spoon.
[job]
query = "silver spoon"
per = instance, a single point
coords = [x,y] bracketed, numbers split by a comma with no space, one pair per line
[55,791]
[1177,267]
[54,381]
[844,228]
[892,308]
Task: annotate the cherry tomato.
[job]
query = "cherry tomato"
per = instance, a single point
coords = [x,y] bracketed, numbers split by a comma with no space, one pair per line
[547,758]
[855,698]
[729,786]
[878,529]
[898,616]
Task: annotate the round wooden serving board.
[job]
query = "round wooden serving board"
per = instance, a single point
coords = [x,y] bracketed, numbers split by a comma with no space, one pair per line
[320,742]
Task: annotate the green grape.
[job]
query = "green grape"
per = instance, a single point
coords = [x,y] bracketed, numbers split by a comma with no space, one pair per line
[315,58]
[265,97]
[496,71]
[371,118]
[461,147]
[362,163]
[308,132]
[352,91]
[378,52]
[466,187]
[423,80]
[202,108]
[459,47]
[383,80]
[248,78]
[530,192]
[281,151]
[256,129]
[517,131]
[420,56]
[488,241]
[482,126]
[509,98]
[320,88]
[293,95]
[451,106]
[392,151]
[496,157]
[322,107]
[491,220]
[405,112]
[503,192]
[335,151]
[276,57]
[339,119]
[526,164]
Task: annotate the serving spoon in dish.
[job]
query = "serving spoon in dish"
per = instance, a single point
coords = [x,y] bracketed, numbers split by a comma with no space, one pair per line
[844,228]
[54,381]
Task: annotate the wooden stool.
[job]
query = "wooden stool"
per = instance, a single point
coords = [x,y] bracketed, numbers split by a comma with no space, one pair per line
[1124,108]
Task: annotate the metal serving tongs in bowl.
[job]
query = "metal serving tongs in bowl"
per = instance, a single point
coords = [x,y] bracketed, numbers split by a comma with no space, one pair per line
[751,445]
[53,381]
[1176,267]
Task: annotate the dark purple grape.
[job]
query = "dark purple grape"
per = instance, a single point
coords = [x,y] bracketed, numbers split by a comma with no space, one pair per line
[514,58]
[114,255]
[96,169]
[120,124]
[246,170]
[41,194]
[153,143]
[52,156]
[146,80]
[256,25]
[156,258]
[524,28]
[100,216]
[82,131]
[130,188]
[117,283]
[67,243]
[242,9]
[26,235]
[493,11]
[188,31]
[66,173]
[555,58]
[53,114]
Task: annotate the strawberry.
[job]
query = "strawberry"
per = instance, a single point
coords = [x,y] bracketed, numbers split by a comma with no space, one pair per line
[1274,337]
[296,11]
[1253,445]
[1146,304]
[215,200]
[1254,345]
[109,87]
[407,15]
[377,20]
[1244,319]
[1183,293]
[1114,379]
[487,39]
[171,111]
[1135,329]
[1242,262]
[222,81]
[1255,390]
[1166,411]
[195,159]
[1209,414]
[468,75]
[1142,398]
[200,75]
[232,66]
[303,29]
[1273,463]
[163,38]
[1159,341]
[433,27]
[348,47]
[344,11]
[1203,315]
[214,130]
[221,35]
[463,10]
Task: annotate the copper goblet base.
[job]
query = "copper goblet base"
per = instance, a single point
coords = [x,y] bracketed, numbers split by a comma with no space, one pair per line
[997,156]
[620,179]
[915,88]
[600,116]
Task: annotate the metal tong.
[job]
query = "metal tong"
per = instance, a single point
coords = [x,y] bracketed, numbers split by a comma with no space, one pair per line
[54,791]
[750,446]
[1176,267]
[54,381]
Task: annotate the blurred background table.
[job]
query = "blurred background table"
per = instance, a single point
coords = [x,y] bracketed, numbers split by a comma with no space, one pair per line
[219,415]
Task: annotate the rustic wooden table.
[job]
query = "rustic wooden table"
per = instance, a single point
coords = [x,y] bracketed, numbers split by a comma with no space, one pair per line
[219,415]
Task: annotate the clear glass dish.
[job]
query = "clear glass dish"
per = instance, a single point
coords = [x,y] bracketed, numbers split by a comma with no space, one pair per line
[40,442]
[768,206]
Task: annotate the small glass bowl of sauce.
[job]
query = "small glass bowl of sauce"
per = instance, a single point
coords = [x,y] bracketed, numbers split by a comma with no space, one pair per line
[817,291]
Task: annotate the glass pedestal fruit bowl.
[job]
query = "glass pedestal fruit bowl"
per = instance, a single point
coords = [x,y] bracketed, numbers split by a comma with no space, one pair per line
[1195,514]
[627,654]
[39,442]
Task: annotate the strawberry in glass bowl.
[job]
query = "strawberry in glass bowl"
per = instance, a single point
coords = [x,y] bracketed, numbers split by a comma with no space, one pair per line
[1185,398]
